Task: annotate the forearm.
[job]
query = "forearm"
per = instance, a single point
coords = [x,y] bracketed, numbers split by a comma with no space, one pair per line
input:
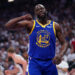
[63,69]
[24,67]
[13,22]
[24,70]
[64,47]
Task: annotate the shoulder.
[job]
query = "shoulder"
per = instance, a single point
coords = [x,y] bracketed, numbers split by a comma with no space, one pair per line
[19,57]
[57,26]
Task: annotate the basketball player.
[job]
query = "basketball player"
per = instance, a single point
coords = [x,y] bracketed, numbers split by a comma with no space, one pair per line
[19,63]
[42,38]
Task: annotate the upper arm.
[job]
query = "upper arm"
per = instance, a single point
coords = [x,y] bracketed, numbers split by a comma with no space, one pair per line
[25,23]
[21,60]
[59,33]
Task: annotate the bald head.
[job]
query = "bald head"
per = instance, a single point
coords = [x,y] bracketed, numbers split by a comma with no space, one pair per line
[40,10]
[39,5]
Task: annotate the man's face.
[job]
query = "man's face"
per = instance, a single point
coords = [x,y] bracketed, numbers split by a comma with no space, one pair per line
[9,54]
[40,11]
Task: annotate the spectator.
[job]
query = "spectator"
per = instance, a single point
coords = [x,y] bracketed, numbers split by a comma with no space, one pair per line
[1,70]
[63,67]
[3,53]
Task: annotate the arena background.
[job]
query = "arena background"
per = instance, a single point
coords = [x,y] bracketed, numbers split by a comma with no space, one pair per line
[61,11]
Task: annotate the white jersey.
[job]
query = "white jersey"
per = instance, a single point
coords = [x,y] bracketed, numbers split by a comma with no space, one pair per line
[18,58]
[63,65]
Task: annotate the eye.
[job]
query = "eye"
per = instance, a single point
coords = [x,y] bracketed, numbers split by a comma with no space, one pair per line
[42,8]
[36,9]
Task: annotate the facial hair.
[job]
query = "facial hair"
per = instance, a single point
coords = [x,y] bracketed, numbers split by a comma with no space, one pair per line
[42,17]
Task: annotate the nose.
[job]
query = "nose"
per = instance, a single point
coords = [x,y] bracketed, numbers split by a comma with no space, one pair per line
[40,10]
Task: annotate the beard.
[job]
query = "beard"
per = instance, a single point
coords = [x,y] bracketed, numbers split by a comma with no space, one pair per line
[42,17]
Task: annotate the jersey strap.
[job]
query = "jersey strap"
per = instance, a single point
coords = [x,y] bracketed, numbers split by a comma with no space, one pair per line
[32,28]
[54,28]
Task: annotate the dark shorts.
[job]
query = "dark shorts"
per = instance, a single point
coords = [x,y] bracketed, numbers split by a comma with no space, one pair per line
[41,67]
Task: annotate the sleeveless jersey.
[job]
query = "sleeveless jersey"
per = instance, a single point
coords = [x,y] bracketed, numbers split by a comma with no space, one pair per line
[42,40]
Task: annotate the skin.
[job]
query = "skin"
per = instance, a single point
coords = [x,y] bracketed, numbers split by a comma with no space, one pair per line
[41,15]
[72,72]
[12,72]
[19,60]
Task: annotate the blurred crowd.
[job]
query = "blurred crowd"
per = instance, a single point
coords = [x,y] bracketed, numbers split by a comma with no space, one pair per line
[61,11]
[18,40]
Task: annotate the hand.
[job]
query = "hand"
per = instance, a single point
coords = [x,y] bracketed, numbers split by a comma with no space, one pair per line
[7,72]
[27,17]
[57,60]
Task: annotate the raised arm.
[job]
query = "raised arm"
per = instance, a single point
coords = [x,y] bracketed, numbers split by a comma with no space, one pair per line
[63,43]
[23,21]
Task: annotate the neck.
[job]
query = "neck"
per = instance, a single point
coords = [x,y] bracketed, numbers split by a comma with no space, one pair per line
[43,20]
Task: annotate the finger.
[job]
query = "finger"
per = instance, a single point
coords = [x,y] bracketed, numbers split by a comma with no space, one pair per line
[56,61]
